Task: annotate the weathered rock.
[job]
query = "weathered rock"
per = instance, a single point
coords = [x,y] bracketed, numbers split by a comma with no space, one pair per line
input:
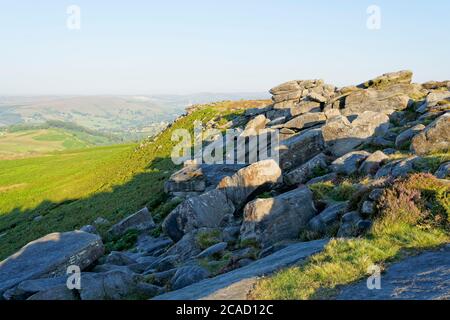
[50,256]
[399,168]
[119,259]
[89,229]
[277,121]
[422,277]
[102,268]
[385,101]
[300,148]
[161,278]
[327,219]
[444,171]
[388,79]
[29,287]
[206,210]
[257,123]
[164,263]
[349,163]
[152,246]
[231,234]
[235,285]
[327,177]
[341,136]
[55,293]
[252,112]
[372,163]
[113,285]
[187,247]
[188,275]
[435,137]
[435,101]
[275,219]
[100,221]
[381,142]
[303,173]
[368,208]
[376,194]
[141,221]
[214,249]
[435,85]
[194,178]
[349,226]
[403,139]
[306,120]
[247,180]
[304,107]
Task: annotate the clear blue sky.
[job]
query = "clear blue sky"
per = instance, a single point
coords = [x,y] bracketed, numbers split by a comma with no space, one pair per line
[148,47]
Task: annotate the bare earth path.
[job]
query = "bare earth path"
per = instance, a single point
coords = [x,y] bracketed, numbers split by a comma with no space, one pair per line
[423,277]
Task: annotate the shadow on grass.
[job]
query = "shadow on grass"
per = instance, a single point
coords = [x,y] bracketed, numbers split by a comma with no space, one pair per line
[18,227]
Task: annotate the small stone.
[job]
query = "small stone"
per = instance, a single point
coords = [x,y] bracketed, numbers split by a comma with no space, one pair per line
[368,208]
[444,171]
[376,194]
[89,229]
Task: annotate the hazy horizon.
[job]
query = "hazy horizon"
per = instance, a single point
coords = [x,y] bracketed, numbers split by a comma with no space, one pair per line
[178,47]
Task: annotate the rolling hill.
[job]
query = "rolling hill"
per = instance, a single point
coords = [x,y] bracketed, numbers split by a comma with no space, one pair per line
[65,190]
[22,141]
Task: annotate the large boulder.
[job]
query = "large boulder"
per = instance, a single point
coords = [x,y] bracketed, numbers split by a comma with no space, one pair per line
[241,185]
[307,170]
[435,137]
[328,219]
[300,148]
[197,178]
[306,120]
[292,93]
[387,79]
[404,138]
[115,285]
[348,164]
[50,256]
[188,275]
[268,221]
[373,163]
[342,136]
[206,210]
[141,221]
[438,100]
[29,287]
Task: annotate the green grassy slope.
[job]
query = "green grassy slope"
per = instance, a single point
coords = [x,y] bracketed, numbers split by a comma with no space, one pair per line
[70,189]
[29,141]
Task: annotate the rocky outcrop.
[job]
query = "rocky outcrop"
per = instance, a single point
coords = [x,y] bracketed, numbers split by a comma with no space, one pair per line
[49,257]
[268,221]
[295,93]
[434,138]
[342,136]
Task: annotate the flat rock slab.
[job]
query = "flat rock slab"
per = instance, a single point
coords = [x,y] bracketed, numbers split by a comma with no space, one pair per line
[423,277]
[50,256]
[236,284]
